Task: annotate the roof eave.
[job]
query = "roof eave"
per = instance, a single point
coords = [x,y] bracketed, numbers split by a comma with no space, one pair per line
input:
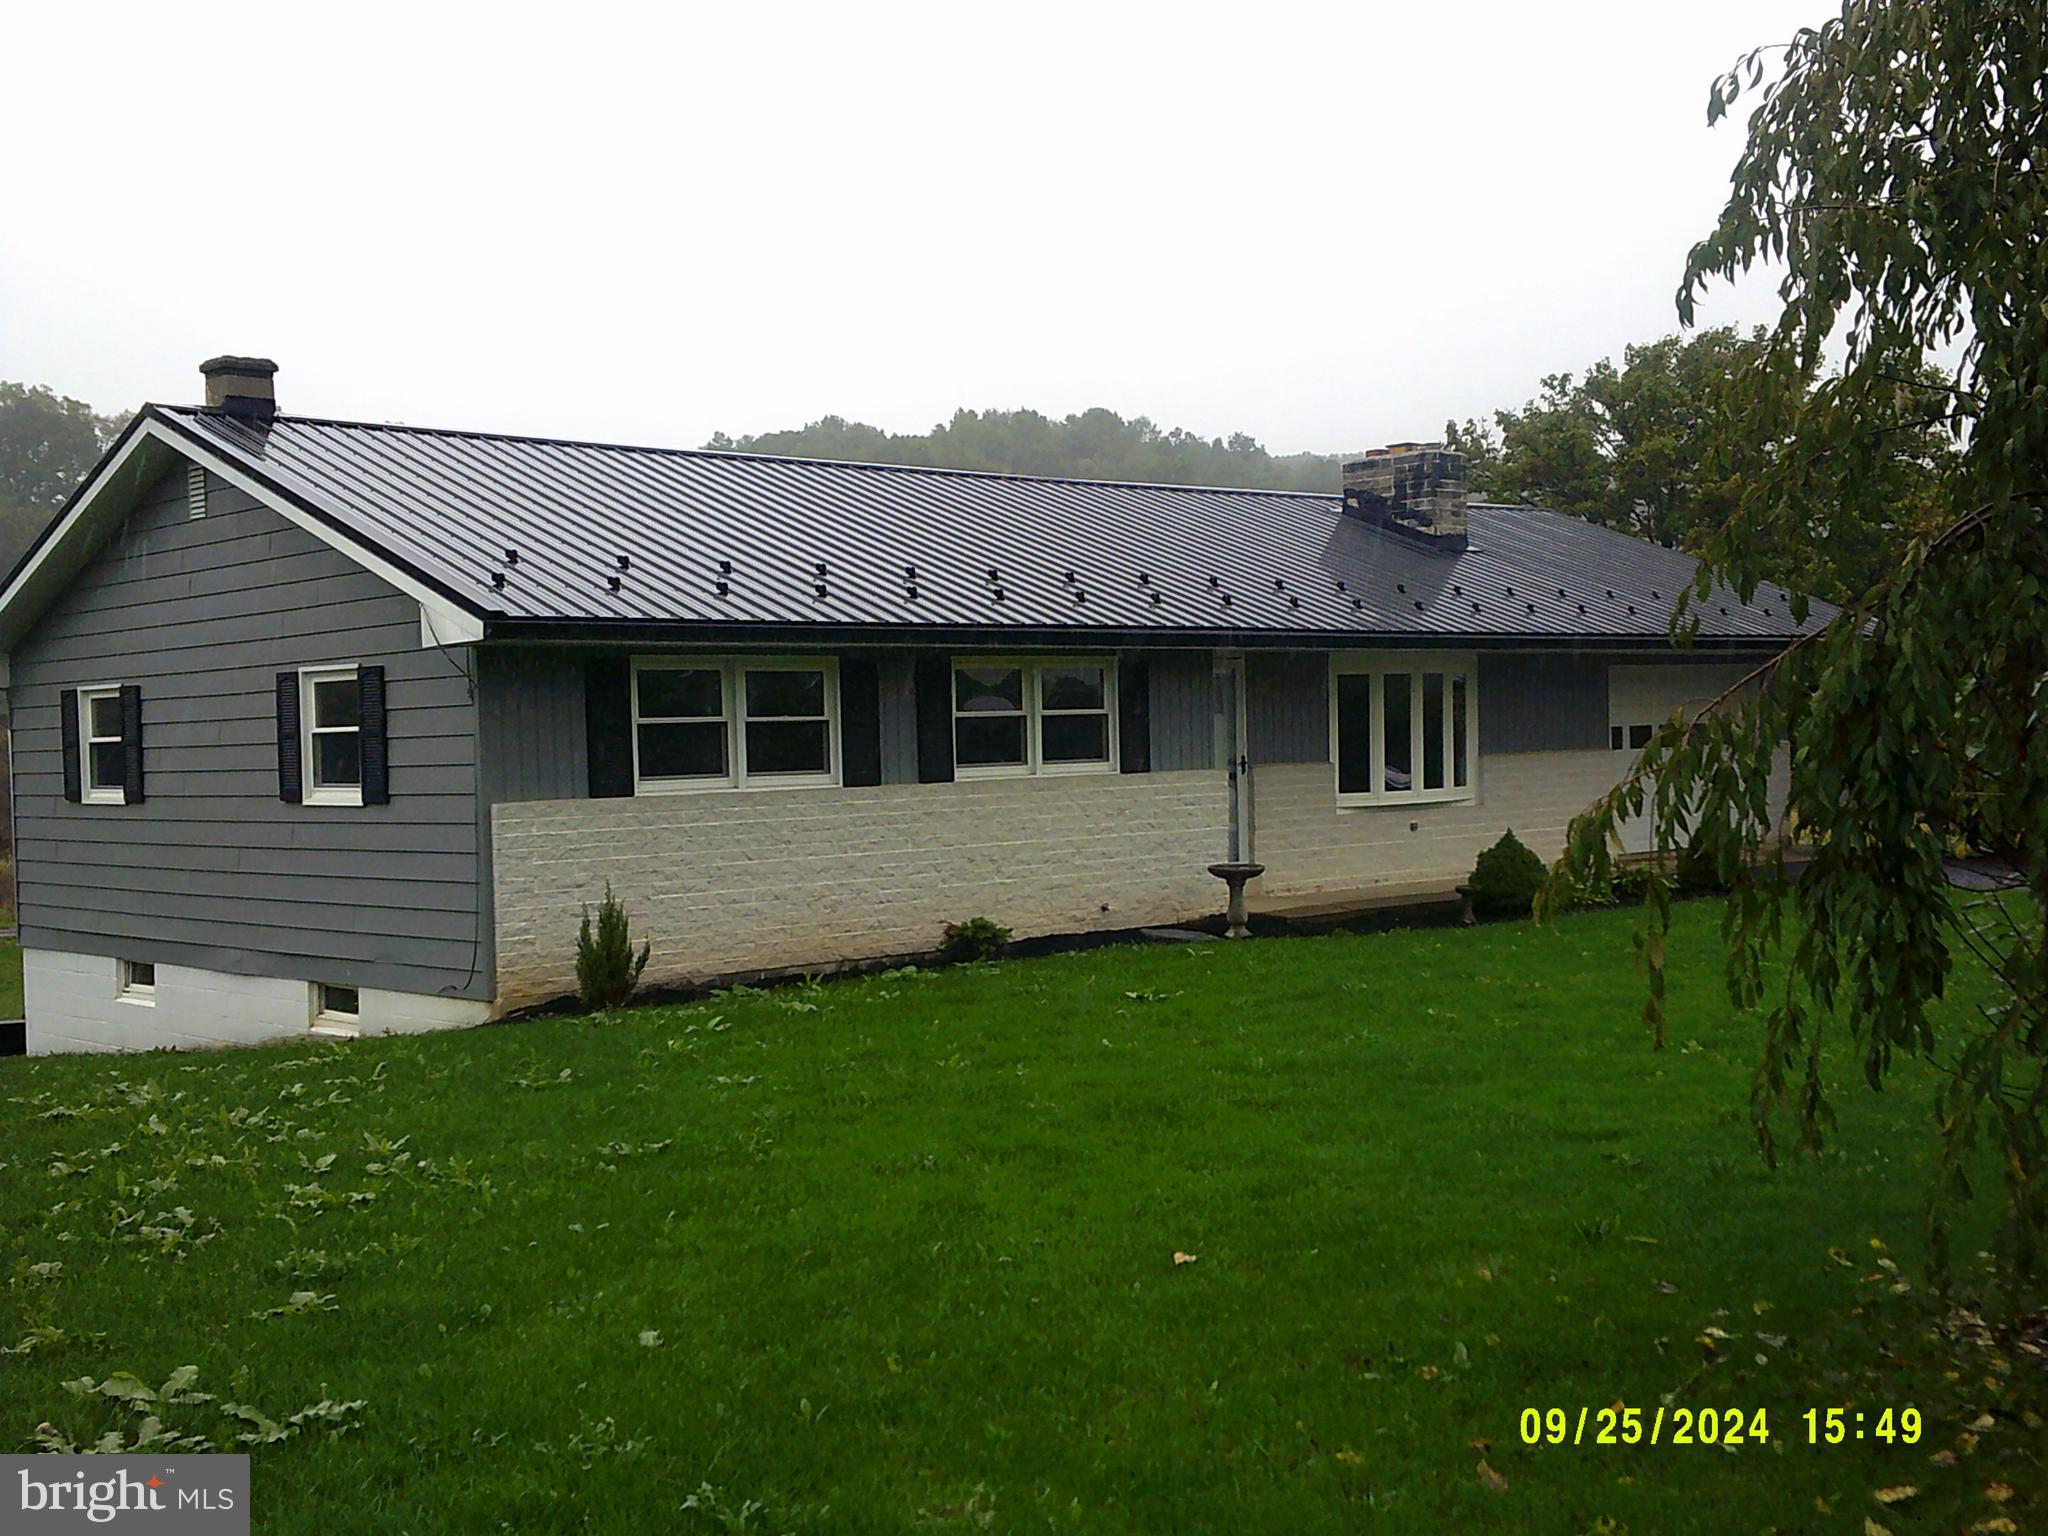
[512,630]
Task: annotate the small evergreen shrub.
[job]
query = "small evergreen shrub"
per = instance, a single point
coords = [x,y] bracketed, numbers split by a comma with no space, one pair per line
[1505,880]
[607,970]
[979,938]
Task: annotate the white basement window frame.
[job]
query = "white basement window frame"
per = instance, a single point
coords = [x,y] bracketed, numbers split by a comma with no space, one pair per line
[735,722]
[1033,716]
[1404,727]
[331,734]
[102,746]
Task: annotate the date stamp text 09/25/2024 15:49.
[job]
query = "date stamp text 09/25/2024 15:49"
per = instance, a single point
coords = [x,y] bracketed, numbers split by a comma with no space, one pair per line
[1619,1425]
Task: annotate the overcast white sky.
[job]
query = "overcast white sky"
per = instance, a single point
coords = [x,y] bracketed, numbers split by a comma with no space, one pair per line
[1328,226]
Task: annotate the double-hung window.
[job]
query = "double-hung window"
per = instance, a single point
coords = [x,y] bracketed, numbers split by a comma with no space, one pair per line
[734,723]
[104,752]
[1403,727]
[1044,715]
[331,716]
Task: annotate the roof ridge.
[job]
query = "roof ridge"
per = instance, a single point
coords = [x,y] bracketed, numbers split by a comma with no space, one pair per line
[761,458]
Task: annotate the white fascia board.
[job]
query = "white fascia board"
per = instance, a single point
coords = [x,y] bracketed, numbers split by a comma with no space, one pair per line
[452,623]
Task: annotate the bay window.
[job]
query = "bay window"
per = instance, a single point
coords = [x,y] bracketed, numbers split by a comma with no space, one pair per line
[1403,727]
[1033,715]
[734,723]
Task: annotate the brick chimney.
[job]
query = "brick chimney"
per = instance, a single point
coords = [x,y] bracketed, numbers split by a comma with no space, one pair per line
[241,386]
[1413,488]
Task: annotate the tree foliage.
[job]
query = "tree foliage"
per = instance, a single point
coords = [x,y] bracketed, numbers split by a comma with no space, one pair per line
[1664,446]
[1893,173]
[47,445]
[1094,444]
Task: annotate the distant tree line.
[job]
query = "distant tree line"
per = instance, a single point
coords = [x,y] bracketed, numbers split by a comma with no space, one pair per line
[1094,444]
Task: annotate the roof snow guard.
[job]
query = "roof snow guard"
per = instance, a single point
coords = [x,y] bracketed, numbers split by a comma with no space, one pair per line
[551,539]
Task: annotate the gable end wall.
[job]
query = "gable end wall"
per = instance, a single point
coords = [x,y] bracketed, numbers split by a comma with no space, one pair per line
[213,870]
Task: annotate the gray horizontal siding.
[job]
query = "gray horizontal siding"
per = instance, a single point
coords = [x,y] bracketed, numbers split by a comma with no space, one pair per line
[213,869]
[1542,703]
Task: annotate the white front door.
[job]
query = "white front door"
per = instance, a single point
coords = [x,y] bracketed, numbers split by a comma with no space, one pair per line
[1229,755]
[1639,699]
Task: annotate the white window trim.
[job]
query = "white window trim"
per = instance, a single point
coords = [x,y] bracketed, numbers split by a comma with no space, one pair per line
[1377,664]
[88,792]
[141,994]
[310,791]
[1034,764]
[733,699]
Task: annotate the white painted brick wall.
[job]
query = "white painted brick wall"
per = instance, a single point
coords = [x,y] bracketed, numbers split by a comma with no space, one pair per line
[724,883]
[1308,844]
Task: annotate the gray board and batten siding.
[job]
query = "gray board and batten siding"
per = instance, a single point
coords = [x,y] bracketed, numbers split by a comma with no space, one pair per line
[536,732]
[213,869]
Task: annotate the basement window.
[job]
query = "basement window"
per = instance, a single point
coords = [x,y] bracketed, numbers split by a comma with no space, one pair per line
[138,982]
[1043,715]
[340,1007]
[734,723]
[1403,728]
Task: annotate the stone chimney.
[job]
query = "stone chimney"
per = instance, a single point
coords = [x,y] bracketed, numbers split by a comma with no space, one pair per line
[1412,488]
[241,386]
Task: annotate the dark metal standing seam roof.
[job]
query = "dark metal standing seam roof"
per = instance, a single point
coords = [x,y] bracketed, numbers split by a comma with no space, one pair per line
[587,535]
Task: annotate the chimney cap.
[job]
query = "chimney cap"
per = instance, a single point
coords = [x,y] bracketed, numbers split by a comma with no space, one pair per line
[228,363]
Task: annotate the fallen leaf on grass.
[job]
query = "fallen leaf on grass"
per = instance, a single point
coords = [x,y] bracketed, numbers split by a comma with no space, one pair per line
[1184,1258]
[650,1338]
[1997,1525]
[1872,1528]
[1943,1458]
[1491,1478]
[1897,1495]
[1998,1493]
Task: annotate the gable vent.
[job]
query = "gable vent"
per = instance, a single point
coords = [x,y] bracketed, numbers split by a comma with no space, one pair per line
[195,491]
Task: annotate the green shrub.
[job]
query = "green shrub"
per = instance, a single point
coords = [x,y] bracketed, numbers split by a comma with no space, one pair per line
[1631,883]
[1505,880]
[1696,875]
[979,938]
[607,970]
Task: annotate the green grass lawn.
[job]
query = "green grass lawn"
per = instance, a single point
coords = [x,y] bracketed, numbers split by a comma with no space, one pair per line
[899,1253]
[10,979]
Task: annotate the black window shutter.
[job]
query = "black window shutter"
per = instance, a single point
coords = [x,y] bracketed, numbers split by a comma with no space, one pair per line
[288,767]
[1134,714]
[131,744]
[376,742]
[67,709]
[608,725]
[934,681]
[860,721]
